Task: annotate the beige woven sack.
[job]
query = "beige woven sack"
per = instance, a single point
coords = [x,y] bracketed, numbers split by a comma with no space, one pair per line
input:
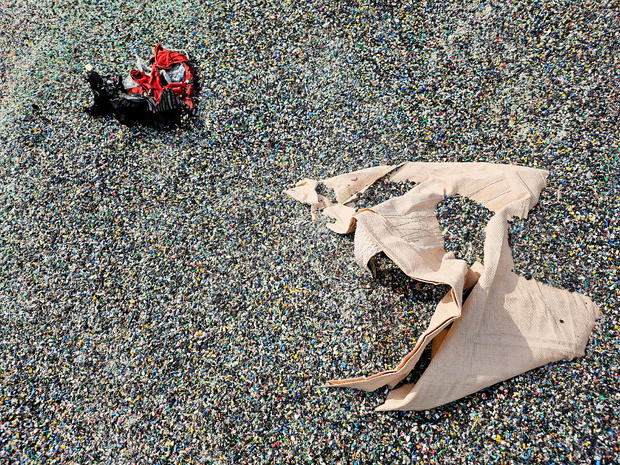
[507,325]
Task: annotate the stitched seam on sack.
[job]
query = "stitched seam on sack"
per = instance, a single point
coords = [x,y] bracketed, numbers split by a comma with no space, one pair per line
[486,202]
[525,185]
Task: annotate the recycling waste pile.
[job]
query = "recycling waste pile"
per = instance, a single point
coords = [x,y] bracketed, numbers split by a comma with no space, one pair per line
[157,92]
[506,326]
[163,301]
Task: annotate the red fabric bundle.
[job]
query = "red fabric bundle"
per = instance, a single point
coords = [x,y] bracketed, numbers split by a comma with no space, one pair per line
[153,85]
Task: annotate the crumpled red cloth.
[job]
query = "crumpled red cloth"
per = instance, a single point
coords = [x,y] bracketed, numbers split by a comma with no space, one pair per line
[154,85]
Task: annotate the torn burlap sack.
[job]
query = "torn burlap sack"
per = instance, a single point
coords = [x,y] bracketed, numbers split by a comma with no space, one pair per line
[506,326]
